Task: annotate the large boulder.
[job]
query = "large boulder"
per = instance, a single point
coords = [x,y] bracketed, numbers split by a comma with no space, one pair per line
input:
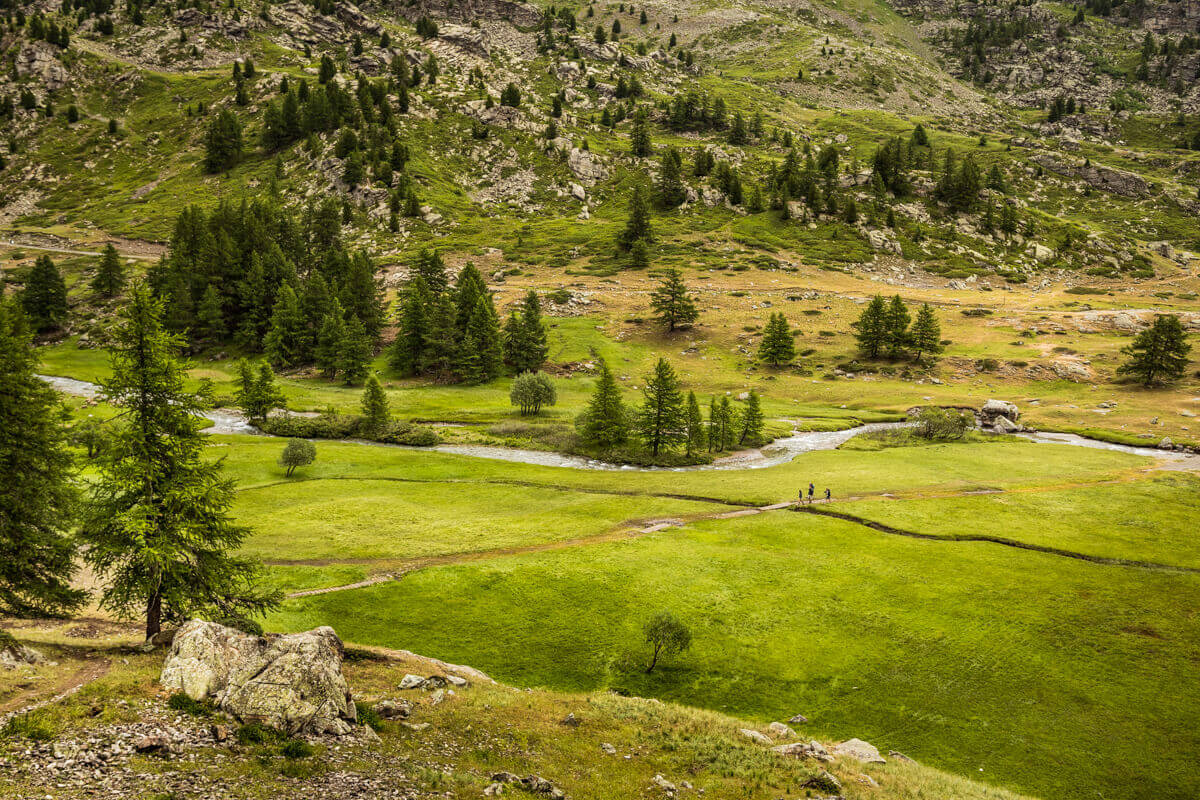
[13,654]
[292,682]
[995,410]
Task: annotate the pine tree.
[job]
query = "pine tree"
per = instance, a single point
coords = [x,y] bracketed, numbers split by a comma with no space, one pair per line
[752,421]
[480,353]
[222,142]
[671,192]
[526,347]
[1158,354]
[110,276]
[637,227]
[777,347]
[694,426]
[37,506]
[737,131]
[210,315]
[661,421]
[604,424]
[331,338]
[376,417]
[871,329]
[671,302]
[285,341]
[157,529]
[896,321]
[44,298]
[926,333]
[257,393]
[714,425]
[639,135]
[412,328]
[355,353]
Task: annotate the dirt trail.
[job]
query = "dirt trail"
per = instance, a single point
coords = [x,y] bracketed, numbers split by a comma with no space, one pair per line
[91,670]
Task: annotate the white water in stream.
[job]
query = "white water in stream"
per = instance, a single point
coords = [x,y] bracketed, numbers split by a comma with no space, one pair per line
[780,451]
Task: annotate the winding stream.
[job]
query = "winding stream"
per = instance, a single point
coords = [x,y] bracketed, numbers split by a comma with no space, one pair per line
[780,451]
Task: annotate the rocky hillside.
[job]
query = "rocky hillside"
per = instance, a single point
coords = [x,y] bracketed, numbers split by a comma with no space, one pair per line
[82,714]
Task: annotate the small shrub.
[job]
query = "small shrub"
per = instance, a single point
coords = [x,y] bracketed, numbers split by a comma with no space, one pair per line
[987,364]
[367,716]
[257,733]
[940,424]
[186,705]
[30,725]
[296,748]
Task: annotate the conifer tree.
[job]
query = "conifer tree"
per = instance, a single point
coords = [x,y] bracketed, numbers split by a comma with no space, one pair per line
[671,302]
[44,298]
[441,345]
[376,417]
[37,506]
[897,320]
[871,329]
[331,339]
[639,135]
[1158,354]
[671,192]
[257,393]
[604,424]
[285,341]
[525,341]
[110,276]
[751,421]
[926,334]
[210,315]
[412,328]
[637,227]
[661,421]
[777,347]
[222,142]
[714,425]
[157,529]
[694,426]
[356,352]
[480,354]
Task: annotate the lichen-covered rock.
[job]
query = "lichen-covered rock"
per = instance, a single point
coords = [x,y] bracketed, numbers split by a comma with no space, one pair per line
[13,654]
[292,682]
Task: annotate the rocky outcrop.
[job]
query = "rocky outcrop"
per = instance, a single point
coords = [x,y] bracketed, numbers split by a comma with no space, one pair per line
[859,750]
[522,15]
[13,654]
[38,60]
[292,682]
[1107,179]
[1000,415]
[585,165]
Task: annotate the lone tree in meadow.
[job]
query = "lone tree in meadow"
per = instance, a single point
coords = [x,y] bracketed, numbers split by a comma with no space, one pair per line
[110,276]
[37,556]
[871,329]
[1158,354]
[297,453]
[671,302]
[44,297]
[157,528]
[777,347]
[531,391]
[661,421]
[604,424]
[666,636]
[926,334]
[376,416]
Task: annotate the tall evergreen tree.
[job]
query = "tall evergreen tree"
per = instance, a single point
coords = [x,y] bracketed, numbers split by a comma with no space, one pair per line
[671,302]
[639,135]
[637,227]
[1158,354]
[694,426]
[285,344]
[44,298]
[257,394]
[37,506]
[752,421]
[222,142]
[777,347]
[896,321]
[871,329]
[355,354]
[413,328]
[604,424]
[480,353]
[110,276]
[525,341]
[157,528]
[375,408]
[661,421]
[671,191]
[331,337]
[926,333]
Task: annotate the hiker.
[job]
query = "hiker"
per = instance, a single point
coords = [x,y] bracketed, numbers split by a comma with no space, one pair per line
[811,489]
[826,495]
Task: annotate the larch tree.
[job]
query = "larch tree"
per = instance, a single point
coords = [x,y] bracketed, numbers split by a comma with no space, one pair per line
[661,420]
[897,320]
[44,297]
[751,432]
[157,528]
[926,334]
[694,426]
[412,328]
[604,423]
[637,226]
[777,347]
[1158,354]
[37,506]
[672,303]
[376,416]
[110,275]
[871,329]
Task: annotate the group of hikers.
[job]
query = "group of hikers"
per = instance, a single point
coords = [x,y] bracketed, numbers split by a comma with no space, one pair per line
[811,490]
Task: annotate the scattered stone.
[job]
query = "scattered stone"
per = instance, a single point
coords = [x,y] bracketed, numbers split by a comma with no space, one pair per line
[534,784]
[292,682]
[664,784]
[814,750]
[13,654]
[608,748]
[780,731]
[155,746]
[411,682]
[823,781]
[756,736]
[860,751]
[570,720]
[391,709]
[799,719]
[898,756]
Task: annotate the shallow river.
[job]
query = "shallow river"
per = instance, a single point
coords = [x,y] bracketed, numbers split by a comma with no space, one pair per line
[780,451]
